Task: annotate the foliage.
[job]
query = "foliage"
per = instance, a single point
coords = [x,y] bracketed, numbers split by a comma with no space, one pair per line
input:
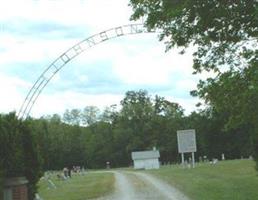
[222,30]
[224,36]
[142,123]
[90,115]
[19,154]
[235,95]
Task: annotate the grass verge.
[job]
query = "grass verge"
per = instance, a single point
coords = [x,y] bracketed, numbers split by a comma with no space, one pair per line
[227,180]
[89,186]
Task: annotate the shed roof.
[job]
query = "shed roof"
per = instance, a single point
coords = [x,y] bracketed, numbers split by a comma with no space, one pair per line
[139,155]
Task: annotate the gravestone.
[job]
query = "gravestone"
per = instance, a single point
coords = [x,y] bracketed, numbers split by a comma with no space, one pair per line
[51,184]
[223,156]
[108,165]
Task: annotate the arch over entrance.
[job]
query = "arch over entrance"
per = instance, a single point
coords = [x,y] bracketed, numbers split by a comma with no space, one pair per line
[70,54]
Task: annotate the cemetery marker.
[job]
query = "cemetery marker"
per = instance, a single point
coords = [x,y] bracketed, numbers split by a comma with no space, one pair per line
[186,143]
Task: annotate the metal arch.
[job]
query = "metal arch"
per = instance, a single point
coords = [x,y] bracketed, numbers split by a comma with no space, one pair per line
[71,53]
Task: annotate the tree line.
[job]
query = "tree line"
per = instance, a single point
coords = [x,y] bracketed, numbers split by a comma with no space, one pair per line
[88,137]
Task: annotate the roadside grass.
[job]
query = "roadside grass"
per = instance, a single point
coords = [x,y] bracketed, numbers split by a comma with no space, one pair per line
[227,180]
[79,187]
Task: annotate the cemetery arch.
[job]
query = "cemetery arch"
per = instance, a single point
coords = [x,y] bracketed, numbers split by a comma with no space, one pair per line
[70,54]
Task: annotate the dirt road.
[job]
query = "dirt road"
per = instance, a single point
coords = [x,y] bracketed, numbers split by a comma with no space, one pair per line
[142,186]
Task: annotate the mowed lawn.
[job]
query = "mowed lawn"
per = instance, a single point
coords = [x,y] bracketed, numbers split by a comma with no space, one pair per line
[79,187]
[227,180]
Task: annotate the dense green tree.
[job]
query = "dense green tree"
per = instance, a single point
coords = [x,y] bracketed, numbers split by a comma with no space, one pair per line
[234,95]
[221,30]
[72,116]
[136,114]
[109,114]
[90,115]
[19,154]
[168,118]
[142,123]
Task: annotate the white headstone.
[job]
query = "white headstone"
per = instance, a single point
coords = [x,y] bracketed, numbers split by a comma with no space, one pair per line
[222,156]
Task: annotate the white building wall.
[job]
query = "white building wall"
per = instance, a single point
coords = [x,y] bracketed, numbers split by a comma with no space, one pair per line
[146,164]
[139,164]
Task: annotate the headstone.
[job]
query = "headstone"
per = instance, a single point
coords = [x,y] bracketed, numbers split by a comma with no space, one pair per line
[108,164]
[37,197]
[214,161]
[205,159]
[222,156]
[188,165]
[51,185]
[65,170]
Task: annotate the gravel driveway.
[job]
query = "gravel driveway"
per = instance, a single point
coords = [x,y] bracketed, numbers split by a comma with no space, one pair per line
[142,186]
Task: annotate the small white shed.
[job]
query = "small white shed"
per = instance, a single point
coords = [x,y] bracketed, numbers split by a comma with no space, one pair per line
[146,159]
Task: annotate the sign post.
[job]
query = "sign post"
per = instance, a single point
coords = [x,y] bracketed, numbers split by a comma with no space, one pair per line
[183,159]
[186,143]
[193,159]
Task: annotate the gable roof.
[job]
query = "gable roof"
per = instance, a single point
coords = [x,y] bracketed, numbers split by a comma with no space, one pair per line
[139,155]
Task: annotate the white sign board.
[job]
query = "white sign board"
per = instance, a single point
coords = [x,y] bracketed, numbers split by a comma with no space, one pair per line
[186,141]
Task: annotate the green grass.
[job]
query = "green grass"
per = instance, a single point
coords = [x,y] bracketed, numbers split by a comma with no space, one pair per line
[91,185]
[227,180]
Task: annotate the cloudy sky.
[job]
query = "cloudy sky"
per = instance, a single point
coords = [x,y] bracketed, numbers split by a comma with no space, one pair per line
[34,33]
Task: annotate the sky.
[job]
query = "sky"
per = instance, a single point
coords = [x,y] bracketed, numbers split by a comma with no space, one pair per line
[34,33]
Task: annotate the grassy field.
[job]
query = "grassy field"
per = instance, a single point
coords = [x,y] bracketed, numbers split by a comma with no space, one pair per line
[91,185]
[227,180]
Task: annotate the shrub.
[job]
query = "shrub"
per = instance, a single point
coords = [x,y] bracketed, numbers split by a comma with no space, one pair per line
[19,154]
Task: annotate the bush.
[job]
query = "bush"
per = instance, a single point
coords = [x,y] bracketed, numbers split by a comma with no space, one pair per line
[19,154]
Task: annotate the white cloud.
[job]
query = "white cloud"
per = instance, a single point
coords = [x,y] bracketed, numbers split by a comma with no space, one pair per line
[97,14]
[11,93]
[189,105]
[58,102]
[143,63]
[138,59]
[94,15]
[24,50]
[186,84]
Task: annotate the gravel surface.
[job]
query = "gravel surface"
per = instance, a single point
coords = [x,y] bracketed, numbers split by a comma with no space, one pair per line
[142,186]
